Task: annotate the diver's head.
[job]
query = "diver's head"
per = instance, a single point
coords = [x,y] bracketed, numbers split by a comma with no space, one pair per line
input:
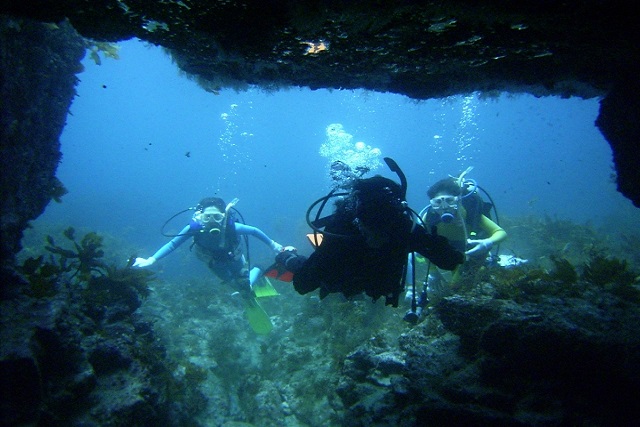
[209,216]
[211,201]
[341,174]
[378,208]
[444,199]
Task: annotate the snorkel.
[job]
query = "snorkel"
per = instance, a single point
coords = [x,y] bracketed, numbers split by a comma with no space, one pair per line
[403,179]
[403,184]
[223,227]
[460,180]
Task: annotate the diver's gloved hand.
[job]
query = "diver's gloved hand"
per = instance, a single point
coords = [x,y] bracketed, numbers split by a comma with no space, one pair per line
[479,247]
[276,247]
[291,260]
[144,262]
[286,255]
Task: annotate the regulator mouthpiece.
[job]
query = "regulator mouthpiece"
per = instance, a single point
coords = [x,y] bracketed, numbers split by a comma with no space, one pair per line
[447,217]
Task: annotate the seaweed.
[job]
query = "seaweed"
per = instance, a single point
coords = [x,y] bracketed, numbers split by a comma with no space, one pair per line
[630,246]
[611,274]
[564,271]
[80,267]
[117,291]
[45,274]
[601,271]
[109,50]
[528,283]
[84,257]
[41,275]
[57,190]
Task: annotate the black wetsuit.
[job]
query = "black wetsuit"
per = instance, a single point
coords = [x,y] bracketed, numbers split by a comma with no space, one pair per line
[345,263]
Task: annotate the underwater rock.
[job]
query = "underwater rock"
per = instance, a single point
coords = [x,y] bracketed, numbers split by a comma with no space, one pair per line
[50,370]
[106,358]
[566,359]
[617,123]
[37,84]
[21,390]
[370,384]
[60,367]
[483,361]
[419,49]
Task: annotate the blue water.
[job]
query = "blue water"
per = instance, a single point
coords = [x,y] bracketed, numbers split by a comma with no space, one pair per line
[143,142]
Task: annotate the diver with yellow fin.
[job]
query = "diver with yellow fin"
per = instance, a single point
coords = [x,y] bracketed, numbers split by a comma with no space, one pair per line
[216,234]
[364,243]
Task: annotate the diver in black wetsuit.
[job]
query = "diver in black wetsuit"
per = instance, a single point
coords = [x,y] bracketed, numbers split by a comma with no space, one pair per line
[365,243]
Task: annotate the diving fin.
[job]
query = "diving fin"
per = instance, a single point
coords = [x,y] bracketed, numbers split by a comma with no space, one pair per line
[261,285]
[263,288]
[258,318]
[278,272]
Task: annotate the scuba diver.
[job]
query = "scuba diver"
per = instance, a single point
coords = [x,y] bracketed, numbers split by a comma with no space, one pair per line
[216,238]
[363,245]
[460,214]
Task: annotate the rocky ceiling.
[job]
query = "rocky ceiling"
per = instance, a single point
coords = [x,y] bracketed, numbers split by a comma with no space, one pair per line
[423,49]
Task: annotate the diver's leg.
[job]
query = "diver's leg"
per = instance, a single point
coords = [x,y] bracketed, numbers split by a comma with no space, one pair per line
[436,283]
[241,281]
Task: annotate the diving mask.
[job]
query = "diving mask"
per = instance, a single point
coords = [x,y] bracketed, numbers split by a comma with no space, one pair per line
[206,218]
[207,221]
[444,202]
[446,206]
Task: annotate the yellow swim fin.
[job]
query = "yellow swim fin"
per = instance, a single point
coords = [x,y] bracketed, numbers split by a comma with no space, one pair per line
[263,288]
[258,318]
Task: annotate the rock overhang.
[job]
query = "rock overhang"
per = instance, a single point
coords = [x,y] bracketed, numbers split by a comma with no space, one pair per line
[419,49]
